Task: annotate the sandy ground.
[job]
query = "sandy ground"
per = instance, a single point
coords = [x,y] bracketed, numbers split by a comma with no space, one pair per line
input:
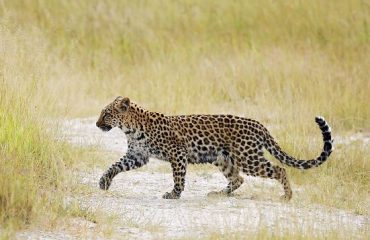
[134,200]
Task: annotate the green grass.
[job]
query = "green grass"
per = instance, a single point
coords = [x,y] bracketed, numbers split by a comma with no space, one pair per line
[280,62]
[36,172]
[32,166]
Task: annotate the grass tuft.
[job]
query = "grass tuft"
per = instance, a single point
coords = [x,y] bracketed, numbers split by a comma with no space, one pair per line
[33,179]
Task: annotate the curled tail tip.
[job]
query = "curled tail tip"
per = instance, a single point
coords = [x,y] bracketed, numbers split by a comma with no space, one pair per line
[320,119]
[324,126]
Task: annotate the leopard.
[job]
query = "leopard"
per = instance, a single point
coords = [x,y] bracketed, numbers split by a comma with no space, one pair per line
[233,144]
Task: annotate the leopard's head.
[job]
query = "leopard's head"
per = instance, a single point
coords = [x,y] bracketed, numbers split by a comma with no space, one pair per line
[113,113]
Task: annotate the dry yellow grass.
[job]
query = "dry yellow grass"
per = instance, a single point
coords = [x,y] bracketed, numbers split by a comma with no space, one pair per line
[270,60]
[280,62]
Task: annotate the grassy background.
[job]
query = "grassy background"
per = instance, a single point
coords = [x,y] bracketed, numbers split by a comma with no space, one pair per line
[281,62]
[272,60]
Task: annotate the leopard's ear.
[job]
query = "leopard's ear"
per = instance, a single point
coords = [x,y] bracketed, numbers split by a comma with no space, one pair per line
[123,104]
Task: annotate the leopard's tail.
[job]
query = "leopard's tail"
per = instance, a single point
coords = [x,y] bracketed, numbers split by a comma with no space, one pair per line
[283,157]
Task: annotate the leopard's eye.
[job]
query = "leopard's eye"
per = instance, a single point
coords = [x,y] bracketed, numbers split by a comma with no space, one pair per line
[107,116]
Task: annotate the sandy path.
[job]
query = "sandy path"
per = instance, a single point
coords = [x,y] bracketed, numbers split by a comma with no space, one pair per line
[135,198]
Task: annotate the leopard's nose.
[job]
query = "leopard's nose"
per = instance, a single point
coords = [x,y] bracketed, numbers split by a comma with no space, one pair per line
[97,124]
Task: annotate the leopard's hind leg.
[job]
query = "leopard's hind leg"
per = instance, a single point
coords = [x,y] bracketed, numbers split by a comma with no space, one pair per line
[260,167]
[230,170]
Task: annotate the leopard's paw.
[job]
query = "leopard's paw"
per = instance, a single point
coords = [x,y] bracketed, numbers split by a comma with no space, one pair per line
[170,195]
[285,198]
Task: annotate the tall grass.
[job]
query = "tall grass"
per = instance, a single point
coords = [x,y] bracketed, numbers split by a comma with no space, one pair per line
[32,165]
[270,60]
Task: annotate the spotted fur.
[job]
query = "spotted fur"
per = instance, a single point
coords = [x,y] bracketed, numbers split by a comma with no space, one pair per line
[233,144]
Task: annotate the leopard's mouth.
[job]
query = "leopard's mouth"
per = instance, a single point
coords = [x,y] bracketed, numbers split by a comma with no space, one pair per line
[105,128]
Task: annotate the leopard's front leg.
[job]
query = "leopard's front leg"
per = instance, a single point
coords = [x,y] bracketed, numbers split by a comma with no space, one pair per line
[179,172]
[126,163]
